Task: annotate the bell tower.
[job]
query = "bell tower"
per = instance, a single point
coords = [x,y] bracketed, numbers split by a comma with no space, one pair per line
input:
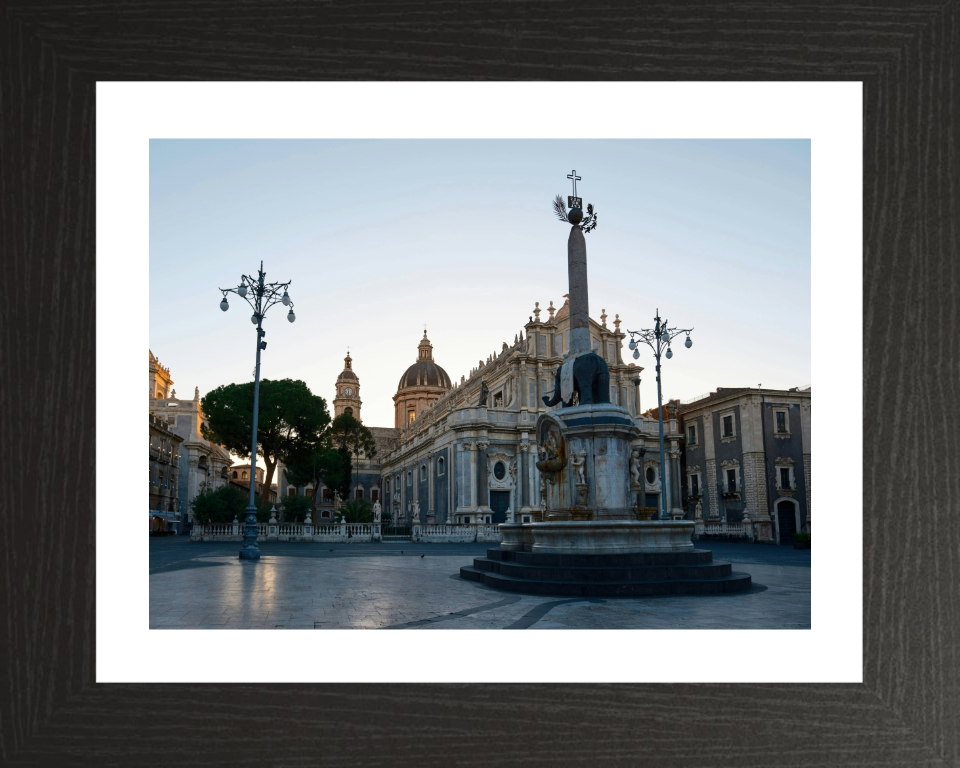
[347,399]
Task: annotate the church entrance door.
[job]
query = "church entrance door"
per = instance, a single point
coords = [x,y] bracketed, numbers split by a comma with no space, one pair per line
[787,520]
[499,501]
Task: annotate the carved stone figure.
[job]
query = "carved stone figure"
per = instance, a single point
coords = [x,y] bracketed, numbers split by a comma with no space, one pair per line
[376,511]
[173,394]
[513,472]
[196,393]
[698,513]
[552,451]
[484,394]
[636,470]
[591,381]
[416,512]
[577,461]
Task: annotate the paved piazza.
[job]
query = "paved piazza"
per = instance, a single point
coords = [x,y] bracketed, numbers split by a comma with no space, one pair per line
[417,586]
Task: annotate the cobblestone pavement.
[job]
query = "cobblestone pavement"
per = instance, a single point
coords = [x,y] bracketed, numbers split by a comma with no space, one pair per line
[417,586]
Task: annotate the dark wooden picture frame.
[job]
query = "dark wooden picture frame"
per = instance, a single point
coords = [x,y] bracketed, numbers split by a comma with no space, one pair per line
[907,710]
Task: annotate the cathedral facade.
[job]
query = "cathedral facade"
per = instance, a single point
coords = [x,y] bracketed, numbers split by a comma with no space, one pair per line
[465,452]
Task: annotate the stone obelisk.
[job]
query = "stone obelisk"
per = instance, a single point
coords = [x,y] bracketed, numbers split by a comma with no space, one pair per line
[577,279]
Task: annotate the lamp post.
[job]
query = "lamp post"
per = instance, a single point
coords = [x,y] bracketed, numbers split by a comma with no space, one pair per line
[260,295]
[658,339]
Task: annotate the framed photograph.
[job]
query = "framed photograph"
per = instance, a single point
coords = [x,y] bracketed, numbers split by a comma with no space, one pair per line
[382,205]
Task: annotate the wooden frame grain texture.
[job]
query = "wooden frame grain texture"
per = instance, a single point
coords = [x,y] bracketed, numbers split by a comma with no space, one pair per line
[907,711]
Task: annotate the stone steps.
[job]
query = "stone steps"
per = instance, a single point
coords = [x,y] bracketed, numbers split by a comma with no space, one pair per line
[734,582]
[631,573]
[642,574]
[639,559]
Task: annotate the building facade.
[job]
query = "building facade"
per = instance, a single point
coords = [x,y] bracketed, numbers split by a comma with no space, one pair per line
[202,464]
[239,477]
[466,452]
[746,453]
[165,511]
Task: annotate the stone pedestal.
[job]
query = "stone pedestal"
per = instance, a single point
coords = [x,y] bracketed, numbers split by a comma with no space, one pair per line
[600,434]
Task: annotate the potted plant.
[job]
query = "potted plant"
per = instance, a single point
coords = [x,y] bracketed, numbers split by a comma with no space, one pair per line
[801,541]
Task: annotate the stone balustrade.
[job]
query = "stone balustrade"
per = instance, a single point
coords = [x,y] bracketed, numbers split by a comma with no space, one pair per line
[725,529]
[461,533]
[345,532]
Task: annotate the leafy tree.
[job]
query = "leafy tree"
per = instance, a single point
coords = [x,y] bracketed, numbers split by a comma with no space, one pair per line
[290,419]
[219,505]
[329,459]
[352,440]
[295,508]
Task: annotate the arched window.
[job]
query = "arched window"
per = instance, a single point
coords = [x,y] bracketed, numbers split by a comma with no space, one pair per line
[348,411]
[234,475]
[359,493]
[423,473]
[439,467]
[375,495]
[244,475]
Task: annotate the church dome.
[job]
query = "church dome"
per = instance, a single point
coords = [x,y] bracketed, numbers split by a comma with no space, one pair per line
[424,372]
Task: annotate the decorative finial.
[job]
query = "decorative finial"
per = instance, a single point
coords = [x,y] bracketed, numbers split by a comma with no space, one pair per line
[575,216]
[536,311]
[551,310]
[616,323]
[603,318]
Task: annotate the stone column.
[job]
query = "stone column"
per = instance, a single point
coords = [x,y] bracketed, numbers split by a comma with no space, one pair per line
[577,282]
[538,403]
[431,516]
[636,396]
[676,492]
[482,505]
[524,393]
[472,447]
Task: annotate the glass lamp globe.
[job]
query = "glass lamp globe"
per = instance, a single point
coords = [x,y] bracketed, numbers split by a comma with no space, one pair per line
[286,298]
[669,353]
[242,290]
[223,304]
[688,343]
[666,335]
[290,316]
[633,344]
[636,354]
[253,319]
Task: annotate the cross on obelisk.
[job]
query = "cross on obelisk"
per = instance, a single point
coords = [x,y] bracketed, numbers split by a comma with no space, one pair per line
[577,279]
[574,201]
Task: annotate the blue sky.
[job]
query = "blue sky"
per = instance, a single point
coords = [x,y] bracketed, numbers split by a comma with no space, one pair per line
[383,236]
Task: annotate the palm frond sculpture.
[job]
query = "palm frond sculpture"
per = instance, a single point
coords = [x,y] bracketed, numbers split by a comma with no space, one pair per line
[589,222]
[560,209]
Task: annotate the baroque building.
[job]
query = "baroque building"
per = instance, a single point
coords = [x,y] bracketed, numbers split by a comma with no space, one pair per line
[202,464]
[466,451]
[746,454]
[164,476]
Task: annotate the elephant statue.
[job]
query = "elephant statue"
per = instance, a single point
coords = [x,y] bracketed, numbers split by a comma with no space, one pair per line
[591,381]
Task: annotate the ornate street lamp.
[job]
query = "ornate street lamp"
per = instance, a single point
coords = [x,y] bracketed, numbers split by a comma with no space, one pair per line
[658,339]
[260,295]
